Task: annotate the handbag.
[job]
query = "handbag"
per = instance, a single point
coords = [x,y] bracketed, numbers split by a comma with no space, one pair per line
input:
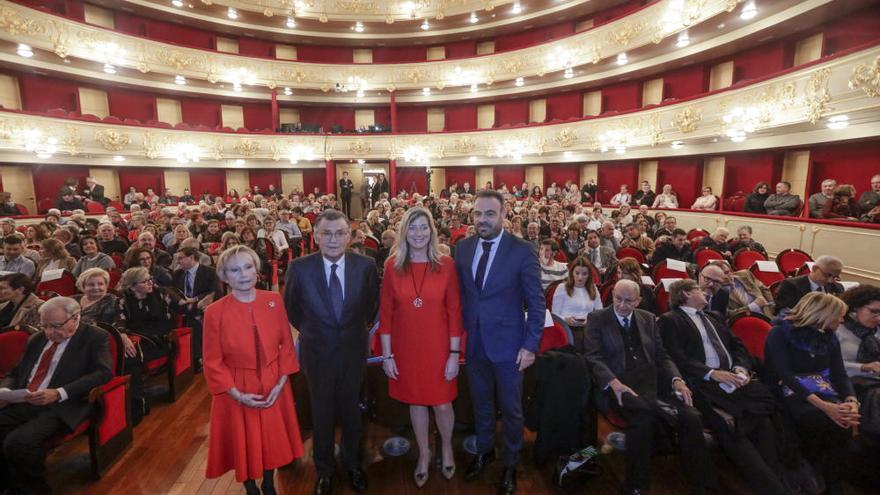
[815,383]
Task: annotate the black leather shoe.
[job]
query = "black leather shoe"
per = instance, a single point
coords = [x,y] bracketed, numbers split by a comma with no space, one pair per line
[324,486]
[475,470]
[508,481]
[358,479]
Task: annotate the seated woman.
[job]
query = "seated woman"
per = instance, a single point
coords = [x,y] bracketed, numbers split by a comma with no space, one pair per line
[279,240]
[803,357]
[551,270]
[144,257]
[98,305]
[859,338]
[755,201]
[630,269]
[707,201]
[53,256]
[33,235]
[92,257]
[572,243]
[18,303]
[575,299]
[666,199]
[212,233]
[843,205]
[181,233]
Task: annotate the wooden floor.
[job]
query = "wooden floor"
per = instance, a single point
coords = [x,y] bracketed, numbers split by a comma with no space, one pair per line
[170,451]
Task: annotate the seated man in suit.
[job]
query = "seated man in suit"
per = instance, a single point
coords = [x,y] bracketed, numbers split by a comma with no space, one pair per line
[677,248]
[744,240]
[200,287]
[715,365]
[712,283]
[60,365]
[718,241]
[94,191]
[747,293]
[632,371]
[602,257]
[822,278]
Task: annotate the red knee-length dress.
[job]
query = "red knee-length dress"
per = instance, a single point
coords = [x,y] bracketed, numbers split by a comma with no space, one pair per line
[249,440]
[420,335]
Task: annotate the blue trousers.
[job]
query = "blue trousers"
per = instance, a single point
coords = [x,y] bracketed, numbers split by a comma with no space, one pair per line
[490,382]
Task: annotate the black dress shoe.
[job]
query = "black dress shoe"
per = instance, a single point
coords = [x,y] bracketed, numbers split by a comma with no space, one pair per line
[508,481]
[324,486]
[475,470]
[358,479]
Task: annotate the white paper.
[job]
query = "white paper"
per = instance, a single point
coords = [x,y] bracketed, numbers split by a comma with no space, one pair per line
[676,265]
[646,280]
[548,319]
[667,282]
[49,275]
[2,272]
[809,265]
[768,266]
[849,285]
[13,396]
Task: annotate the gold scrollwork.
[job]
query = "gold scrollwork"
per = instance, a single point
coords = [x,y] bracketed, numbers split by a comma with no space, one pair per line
[15,24]
[867,78]
[731,4]
[464,144]
[687,120]
[71,140]
[359,147]
[625,34]
[816,94]
[112,140]
[565,138]
[151,145]
[246,147]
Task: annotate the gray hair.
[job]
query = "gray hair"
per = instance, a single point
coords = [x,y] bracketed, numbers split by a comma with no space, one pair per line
[69,305]
[88,274]
[624,284]
[826,259]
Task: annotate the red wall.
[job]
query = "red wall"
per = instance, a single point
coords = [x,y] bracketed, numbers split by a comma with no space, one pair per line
[460,117]
[39,94]
[685,82]
[620,97]
[258,116]
[329,54]
[615,12]
[48,179]
[523,39]
[409,176]
[561,173]
[852,30]
[512,175]
[412,119]
[762,60]
[212,180]
[255,48]
[263,178]
[743,170]
[391,54]
[142,178]
[850,163]
[685,175]
[327,117]
[181,35]
[511,112]
[200,112]
[127,104]
[613,174]
[461,49]
[564,106]
[461,175]
[312,178]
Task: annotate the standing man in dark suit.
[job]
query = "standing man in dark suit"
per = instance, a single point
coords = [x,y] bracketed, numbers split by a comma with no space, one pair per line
[712,283]
[94,191]
[346,186]
[200,287]
[499,276]
[823,277]
[380,186]
[629,363]
[716,366]
[331,298]
[60,365]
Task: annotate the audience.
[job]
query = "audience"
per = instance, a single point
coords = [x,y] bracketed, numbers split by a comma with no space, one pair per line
[621,198]
[675,246]
[577,297]
[744,241]
[859,338]
[551,270]
[53,256]
[666,199]
[823,277]
[817,201]
[644,196]
[718,241]
[783,203]
[842,205]
[707,201]
[870,199]
[712,283]
[12,260]
[18,303]
[601,257]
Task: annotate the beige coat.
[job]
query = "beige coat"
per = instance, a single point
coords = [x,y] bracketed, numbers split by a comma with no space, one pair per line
[754,287]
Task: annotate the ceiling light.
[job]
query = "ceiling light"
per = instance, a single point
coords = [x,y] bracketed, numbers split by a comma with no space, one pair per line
[426,91]
[232,13]
[474,88]
[358,27]
[622,59]
[179,80]
[360,93]
[519,82]
[425,26]
[683,39]
[109,69]
[287,91]
[240,162]
[236,87]
[25,50]
[472,158]
[566,154]
[177,3]
[569,73]
[838,122]
[291,22]
[474,19]
[749,11]
[361,161]
[118,158]
[677,145]
[517,8]
[737,136]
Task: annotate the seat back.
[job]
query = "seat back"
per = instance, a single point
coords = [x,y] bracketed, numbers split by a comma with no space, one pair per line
[705,254]
[556,336]
[630,252]
[12,344]
[116,347]
[661,271]
[744,258]
[45,205]
[115,277]
[697,233]
[661,297]
[549,291]
[791,260]
[752,329]
[64,286]
[766,278]
[560,256]
[94,207]
[22,209]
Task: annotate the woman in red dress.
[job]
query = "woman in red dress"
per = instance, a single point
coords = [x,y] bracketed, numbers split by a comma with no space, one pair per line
[249,353]
[420,327]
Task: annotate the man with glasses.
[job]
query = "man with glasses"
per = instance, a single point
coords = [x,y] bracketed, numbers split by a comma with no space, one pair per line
[632,373]
[712,283]
[823,277]
[332,297]
[59,367]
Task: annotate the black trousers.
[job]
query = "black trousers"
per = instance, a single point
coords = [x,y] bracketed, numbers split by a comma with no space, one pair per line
[823,443]
[335,386]
[150,349]
[346,204]
[24,429]
[642,416]
[751,445]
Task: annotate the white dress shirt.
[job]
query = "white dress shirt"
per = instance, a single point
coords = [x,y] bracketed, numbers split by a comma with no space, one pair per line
[579,305]
[340,272]
[712,359]
[53,365]
[479,253]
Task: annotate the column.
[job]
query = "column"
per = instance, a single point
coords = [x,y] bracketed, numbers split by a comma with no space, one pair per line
[392,178]
[276,117]
[330,175]
[393,115]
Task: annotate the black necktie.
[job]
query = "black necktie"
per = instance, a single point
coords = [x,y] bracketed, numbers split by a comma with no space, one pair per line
[335,292]
[723,357]
[484,262]
[189,284]
[626,323]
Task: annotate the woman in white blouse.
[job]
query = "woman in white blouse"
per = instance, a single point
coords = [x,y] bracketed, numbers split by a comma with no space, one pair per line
[707,201]
[666,199]
[623,197]
[279,240]
[575,299]
[551,270]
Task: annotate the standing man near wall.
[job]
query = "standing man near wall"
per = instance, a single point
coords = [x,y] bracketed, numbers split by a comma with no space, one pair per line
[345,188]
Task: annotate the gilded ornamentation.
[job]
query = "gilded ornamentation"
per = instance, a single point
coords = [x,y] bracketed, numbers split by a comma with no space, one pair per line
[730,5]
[151,145]
[60,44]
[359,147]
[817,95]
[13,23]
[217,149]
[176,59]
[687,119]
[624,35]
[246,147]
[565,138]
[593,55]
[867,78]
[464,144]
[71,140]
[112,140]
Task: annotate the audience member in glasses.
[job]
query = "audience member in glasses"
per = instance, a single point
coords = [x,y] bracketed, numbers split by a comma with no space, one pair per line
[859,338]
[744,240]
[712,282]
[842,205]
[718,241]
[823,277]
[870,199]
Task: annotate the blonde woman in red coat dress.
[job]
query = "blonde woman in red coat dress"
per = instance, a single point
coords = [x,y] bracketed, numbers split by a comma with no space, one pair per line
[248,356]
[420,328]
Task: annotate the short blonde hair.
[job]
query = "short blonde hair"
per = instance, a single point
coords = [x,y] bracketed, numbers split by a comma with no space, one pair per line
[133,276]
[818,310]
[228,254]
[91,272]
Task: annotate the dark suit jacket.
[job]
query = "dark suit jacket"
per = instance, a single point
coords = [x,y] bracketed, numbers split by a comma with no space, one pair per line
[206,282]
[307,298]
[96,194]
[791,290]
[685,344]
[345,187]
[720,301]
[85,364]
[512,283]
[667,250]
[603,348]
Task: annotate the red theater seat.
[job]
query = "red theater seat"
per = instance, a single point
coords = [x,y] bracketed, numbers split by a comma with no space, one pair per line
[744,258]
[630,252]
[94,207]
[22,209]
[767,278]
[697,233]
[177,365]
[791,260]
[704,255]
[64,286]
[752,329]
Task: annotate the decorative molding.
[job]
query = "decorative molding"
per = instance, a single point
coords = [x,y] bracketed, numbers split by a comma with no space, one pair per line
[867,78]
[687,119]
[817,95]
[111,139]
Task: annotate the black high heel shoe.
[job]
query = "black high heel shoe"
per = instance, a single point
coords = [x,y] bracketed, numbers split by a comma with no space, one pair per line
[421,478]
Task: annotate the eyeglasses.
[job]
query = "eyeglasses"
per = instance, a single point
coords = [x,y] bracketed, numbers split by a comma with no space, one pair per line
[58,326]
[326,234]
[834,276]
[713,280]
[146,281]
